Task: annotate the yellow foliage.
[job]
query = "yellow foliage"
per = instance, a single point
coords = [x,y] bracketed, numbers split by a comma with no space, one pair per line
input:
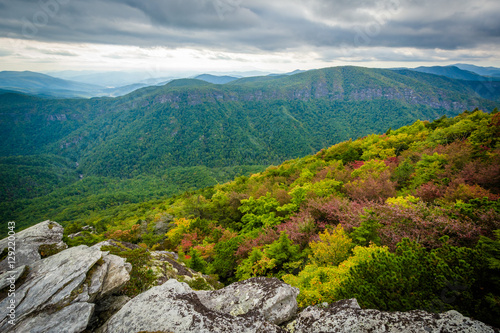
[177,233]
[318,284]
[332,249]
[403,201]
[372,167]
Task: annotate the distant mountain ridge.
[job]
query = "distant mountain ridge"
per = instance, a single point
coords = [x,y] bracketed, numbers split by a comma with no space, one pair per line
[485,71]
[452,72]
[43,85]
[216,79]
[249,121]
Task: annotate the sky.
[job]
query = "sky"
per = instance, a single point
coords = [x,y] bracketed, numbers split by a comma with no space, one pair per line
[173,36]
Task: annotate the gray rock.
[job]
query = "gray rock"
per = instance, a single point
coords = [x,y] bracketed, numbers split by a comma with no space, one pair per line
[346,316]
[173,307]
[28,242]
[74,277]
[70,319]
[53,282]
[117,274]
[266,298]
[11,277]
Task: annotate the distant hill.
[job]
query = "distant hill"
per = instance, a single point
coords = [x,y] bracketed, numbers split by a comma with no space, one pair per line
[452,72]
[485,71]
[216,79]
[41,84]
[112,79]
[47,86]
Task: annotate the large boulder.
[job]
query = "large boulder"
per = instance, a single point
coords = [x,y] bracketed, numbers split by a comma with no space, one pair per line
[72,318]
[346,316]
[28,243]
[58,292]
[174,307]
[267,299]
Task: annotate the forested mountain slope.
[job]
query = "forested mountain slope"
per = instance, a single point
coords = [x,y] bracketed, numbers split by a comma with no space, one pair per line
[188,134]
[248,121]
[403,220]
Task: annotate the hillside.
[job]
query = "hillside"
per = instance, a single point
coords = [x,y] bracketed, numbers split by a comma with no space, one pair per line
[452,72]
[189,134]
[394,220]
[485,71]
[45,85]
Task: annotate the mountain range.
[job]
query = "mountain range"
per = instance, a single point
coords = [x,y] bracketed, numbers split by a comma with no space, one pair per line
[190,133]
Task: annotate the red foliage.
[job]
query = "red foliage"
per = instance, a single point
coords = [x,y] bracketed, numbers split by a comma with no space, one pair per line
[391,161]
[486,174]
[429,192]
[466,192]
[131,236]
[495,121]
[188,241]
[356,164]
[267,236]
[301,231]
[372,188]
[423,224]
[331,212]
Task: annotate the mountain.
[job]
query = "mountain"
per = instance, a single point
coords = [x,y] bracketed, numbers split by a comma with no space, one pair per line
[113,79]
[45,85]
[485,71]
[216,79]
[161,140]
[250,121]
[452,72]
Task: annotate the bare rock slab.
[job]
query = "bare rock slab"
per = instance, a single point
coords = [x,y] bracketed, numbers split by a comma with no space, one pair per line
[28,242]
[71,319]
[347,317]
[268,299]
[173,307]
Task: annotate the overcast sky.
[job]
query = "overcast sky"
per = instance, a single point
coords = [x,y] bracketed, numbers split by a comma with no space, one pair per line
[225,35]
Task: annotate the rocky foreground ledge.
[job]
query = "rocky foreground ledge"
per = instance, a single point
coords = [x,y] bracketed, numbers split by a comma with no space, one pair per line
[78,290]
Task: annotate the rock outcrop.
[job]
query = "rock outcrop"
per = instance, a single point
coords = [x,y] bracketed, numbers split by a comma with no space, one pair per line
[263,298]
[346,316]
[77,290]
[174,307]
[47,234]
[57,294]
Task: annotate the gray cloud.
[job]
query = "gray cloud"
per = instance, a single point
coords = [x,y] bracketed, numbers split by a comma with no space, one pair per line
[4,52]
[257,25]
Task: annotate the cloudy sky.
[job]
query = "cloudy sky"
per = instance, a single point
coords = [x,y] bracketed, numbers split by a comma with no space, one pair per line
[225,35]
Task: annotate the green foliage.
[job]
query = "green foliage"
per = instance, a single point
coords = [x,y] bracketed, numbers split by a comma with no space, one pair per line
[428,168]
[403,173]
[367,232]
[319,284]
[422,181]
[224,262]
[196,262]
[414,278]
[274,260]
[142,276]
[259,213]
[199,284]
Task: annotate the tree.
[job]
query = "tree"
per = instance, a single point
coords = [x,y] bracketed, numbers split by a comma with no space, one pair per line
[332,248]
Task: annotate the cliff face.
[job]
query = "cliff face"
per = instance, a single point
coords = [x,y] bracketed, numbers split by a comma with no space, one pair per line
[77,290]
